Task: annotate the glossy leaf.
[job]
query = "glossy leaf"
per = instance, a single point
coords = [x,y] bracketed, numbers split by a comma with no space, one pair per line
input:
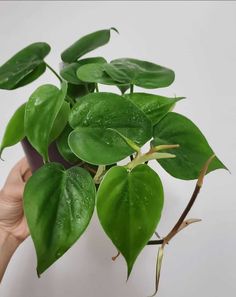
[60,121]
[154,106]
[91,117]
[69,71]
[41,111]
[94,73]
[24,67]
[140,73]
[37,72]
[194,149]
[59,211]
[63,146]
[15,129]
[86,44]
[129,206]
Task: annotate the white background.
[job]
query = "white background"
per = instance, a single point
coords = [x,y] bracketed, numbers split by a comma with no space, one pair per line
[198,41]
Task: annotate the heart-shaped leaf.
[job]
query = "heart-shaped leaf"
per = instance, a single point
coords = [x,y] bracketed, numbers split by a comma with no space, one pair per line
[15,131]
[69,71]
[63,146]
[194,149]
[41,111]
[94,73]
[129,206]
[93,115]
[58,205]
[24,67]
[140,73]
[86,44]
[154,106]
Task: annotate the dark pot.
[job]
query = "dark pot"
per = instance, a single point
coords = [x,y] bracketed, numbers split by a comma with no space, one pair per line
[35,160]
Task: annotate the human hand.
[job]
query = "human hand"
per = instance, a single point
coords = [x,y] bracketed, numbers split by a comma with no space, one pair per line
[12,219]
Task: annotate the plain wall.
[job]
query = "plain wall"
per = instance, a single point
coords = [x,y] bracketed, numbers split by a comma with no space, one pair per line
[198,41]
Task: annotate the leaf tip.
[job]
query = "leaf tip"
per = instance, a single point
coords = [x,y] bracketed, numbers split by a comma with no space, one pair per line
[114,29]
[129,269]
[1,150]
[38,272]
[226,168]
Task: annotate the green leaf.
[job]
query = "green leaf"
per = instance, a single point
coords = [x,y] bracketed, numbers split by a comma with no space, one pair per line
[86,44]
[94,73]
[129,206]
[41,111]
[154,106]
[24,67]
[194,149]
[60,121]
[140,73]
[15,129]
[58,205]
[91,117]
[63,146]
[37,72]
[69,71]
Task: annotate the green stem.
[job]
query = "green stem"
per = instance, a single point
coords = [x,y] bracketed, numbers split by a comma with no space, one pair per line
[87,88]
[147,157]
[131,89]
[70,100]
[96,88]
[164,147]
[99,174]
[54,72]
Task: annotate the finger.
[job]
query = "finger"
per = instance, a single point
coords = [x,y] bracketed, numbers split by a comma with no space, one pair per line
[25,170]
[18,175]
[27,175]
[23,165]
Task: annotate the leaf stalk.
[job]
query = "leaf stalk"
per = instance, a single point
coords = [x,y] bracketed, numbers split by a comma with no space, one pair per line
[180,224]
[54,72]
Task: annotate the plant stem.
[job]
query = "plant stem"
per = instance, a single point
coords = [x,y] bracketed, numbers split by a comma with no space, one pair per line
[180,221]
[87,88]
[99,174]
[54,72]
[116,256]
[131,89]
[152,154]
[96,88]
[175,229]
[85,166]
[147,157]
[70,100]
[163,147]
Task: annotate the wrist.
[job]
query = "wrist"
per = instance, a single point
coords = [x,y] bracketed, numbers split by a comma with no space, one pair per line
[8,245]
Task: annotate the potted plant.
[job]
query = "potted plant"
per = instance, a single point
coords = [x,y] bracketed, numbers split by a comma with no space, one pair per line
[74,135]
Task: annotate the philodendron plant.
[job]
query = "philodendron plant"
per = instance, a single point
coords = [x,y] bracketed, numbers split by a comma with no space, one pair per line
[93,131]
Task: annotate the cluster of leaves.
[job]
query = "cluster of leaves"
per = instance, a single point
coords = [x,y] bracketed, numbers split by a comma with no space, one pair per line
[101,129]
